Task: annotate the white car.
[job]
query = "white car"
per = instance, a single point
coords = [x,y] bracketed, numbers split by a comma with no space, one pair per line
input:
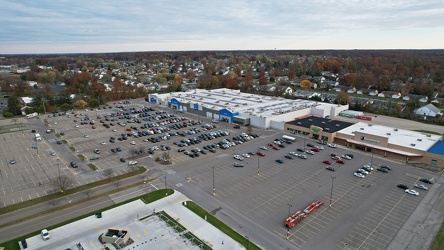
[133,143]
[332,145]
[359,175]
[294,154]
[45,234]
[369,167]
[346,157]
[86,135]
[412,192]
[246,155]
[238,157]
[320,147]
[362,171]
[310,152]
[53,153]
[76,126]
[102,142]
[263,147]
[420,186]
[132,163]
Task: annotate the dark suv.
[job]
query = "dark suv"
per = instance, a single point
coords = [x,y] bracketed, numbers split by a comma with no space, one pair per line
[74,164]
[403,186]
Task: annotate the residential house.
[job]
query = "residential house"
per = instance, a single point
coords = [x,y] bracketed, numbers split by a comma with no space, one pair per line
[428,110]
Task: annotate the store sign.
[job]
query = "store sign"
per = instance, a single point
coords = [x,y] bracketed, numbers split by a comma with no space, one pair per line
[363,138]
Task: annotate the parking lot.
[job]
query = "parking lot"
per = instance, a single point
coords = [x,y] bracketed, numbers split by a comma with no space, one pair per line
[365,213]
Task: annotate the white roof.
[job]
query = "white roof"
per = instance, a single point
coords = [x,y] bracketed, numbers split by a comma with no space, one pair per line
[399,137]
[245,103]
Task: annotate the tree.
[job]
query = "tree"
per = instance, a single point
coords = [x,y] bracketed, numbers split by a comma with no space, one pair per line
[343,98]
[93,103]
[61,182]
[14,105]
[88,192]
[81,104]
[306,84]
[66,107]
[108,173]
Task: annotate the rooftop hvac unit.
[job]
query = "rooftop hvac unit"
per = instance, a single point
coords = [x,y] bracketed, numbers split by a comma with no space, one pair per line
[412,144]
[388,134]
[362,128]
[353,132]
[395,129]
[327,128]
[299,123]
[323,122]
[419,139]
[370,125]
[429,135]
[337,125]
[310,120]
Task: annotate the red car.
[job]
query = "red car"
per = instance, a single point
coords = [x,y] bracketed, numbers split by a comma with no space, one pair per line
[260,153]
[340,161]
[275,148]
[327,162]
[333,154]
[315,149]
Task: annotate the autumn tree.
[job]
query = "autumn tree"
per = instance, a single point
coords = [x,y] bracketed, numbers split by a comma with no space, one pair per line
[117,88]
[343,98]
[81,104]
[306,84]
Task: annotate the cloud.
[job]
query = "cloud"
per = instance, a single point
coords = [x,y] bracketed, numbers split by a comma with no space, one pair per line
[90,23]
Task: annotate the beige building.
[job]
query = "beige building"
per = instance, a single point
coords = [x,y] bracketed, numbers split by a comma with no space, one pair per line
[406,145]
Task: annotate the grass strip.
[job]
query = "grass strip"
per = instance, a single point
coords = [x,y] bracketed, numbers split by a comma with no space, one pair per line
[49,197]
[438,240]
[220,225]
[92,167]
[151,197]
[73,149]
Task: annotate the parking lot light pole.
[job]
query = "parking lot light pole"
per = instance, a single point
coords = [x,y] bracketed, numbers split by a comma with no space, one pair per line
[214,187]
[289,206]
[166,193]
[258,165]
[371,160]
[331,193]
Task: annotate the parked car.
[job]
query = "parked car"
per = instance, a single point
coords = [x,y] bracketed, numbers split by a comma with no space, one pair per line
[403,186]
[332,145]
[327,162]
[412,192]
[302,156]
[362,171]
[12,162]
[359,175]
[74,164]
[428,181]
[122,160]
[279,161]
[132,163]
[288,156]
[331,168]
[346,157]
[420,186]
[310,145]
[340,162]
[260,153]
[336,157]
[97,151]
[45,234]
[300,149]
[238,165]
[309,152]
[349,155]
[386,167]
[383,170]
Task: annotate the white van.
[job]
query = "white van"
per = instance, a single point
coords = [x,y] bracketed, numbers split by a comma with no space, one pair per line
[38,137]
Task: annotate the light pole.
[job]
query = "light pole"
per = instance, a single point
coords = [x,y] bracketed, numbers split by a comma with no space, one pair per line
[371,160]
[331,193]
[248,244]
[289,206]
[166,186]
[258,165]
[214,187]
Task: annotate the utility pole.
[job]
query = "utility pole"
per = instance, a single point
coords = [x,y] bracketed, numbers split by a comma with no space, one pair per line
[258,165]
[214,187]
[331,193]
[166,193]
[289,206]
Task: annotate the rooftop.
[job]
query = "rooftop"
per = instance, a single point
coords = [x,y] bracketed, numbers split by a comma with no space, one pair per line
[329,125]
[236,101]
[399,137]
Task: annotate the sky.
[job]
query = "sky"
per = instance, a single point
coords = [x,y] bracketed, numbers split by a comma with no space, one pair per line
[92,26]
